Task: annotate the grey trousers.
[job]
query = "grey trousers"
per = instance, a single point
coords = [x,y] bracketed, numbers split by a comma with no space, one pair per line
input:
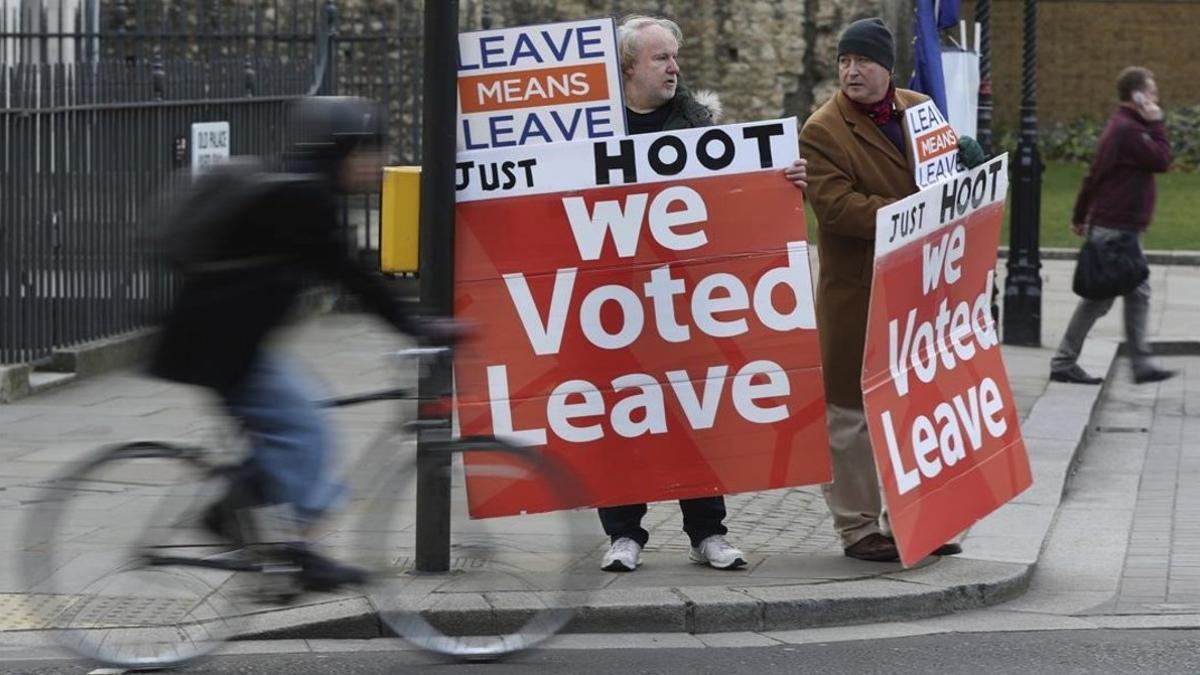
[1087,312]
[854,498]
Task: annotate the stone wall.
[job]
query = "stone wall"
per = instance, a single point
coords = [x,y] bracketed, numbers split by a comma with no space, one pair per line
[766,58]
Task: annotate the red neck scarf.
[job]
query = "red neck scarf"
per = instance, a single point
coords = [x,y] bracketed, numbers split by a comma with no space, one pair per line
[882,112]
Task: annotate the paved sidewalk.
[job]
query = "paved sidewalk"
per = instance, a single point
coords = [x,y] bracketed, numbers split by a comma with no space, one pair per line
[797,577]
[1161,566]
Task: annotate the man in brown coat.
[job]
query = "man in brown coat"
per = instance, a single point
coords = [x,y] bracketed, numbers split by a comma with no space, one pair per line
[855,145]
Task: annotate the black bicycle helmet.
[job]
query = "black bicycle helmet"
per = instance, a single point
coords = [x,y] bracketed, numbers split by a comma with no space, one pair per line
[329,128]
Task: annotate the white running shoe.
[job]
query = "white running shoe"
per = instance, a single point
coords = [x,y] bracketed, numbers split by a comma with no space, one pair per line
[715,552]
[623,556]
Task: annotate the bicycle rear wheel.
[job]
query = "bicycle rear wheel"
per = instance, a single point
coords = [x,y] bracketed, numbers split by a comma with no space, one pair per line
[87,565]
[512,582]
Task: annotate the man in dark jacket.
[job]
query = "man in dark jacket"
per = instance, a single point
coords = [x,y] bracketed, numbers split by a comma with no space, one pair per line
[1116,199]
[656,101]
[241,284]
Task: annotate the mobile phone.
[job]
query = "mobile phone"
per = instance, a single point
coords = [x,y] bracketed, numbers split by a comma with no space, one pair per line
[1140,99]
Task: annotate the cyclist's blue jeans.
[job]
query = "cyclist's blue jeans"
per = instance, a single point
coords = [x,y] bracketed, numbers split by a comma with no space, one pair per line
[290,439]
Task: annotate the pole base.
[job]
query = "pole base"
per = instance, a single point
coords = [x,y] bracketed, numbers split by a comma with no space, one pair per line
[1022,310]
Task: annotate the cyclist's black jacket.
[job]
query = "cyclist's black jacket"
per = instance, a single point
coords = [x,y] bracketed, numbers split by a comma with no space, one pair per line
[287,239]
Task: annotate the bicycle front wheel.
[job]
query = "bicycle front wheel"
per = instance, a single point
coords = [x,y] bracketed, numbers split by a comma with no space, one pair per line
[512,581]
[89,556]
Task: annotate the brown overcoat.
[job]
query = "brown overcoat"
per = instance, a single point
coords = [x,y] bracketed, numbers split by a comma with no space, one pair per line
[853,169]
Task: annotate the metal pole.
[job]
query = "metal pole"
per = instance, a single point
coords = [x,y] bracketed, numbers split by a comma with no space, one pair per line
[983,132]
[1023,285]
[437,270]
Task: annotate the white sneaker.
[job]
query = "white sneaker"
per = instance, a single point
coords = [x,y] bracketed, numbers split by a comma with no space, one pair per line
[623,556]
[715,552]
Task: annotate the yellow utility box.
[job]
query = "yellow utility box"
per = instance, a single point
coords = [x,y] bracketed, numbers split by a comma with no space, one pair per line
[399,241]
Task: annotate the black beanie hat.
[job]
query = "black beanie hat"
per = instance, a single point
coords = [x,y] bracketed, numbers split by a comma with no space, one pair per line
[870,38]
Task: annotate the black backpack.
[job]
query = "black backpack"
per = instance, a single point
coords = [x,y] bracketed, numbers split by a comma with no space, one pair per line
[197,219]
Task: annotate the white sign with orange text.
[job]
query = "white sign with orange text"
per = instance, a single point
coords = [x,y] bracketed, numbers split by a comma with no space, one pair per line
[933,144]
[539,84]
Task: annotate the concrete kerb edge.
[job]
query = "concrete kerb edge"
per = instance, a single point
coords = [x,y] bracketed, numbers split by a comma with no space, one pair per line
[14,382]
[1179,346]
[342,619]
[1078,445]
[738,611]
[101,356]
[85,360]
[1161,257]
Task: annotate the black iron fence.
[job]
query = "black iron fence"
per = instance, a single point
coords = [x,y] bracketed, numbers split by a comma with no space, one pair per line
[97,105]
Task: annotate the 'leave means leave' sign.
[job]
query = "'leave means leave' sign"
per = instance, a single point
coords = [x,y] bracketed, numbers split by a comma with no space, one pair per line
[933,144]
[539,84]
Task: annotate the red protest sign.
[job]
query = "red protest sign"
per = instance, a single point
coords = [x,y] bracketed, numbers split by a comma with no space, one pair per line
[942,418]
[644,312]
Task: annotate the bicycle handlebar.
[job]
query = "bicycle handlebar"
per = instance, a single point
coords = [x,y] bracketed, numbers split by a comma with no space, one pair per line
[418,352]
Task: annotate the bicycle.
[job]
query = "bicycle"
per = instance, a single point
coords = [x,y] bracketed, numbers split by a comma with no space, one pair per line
[166,592]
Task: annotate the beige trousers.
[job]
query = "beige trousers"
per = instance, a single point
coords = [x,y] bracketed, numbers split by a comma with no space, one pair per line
[855,498]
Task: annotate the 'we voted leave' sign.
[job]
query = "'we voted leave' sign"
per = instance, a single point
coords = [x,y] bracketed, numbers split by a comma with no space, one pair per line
[645,314]
[941,415]
[539,84]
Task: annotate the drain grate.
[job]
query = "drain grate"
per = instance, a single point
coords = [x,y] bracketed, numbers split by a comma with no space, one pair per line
[1120,430]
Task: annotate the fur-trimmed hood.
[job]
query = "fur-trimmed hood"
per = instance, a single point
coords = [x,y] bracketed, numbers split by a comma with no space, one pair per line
[690,110]
[711,100]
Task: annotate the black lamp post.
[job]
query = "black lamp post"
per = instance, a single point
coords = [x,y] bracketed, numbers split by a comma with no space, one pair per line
[438,148]
[1023,285]
[983,131]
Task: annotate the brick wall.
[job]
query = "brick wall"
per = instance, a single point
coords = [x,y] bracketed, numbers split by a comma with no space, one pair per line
[1083,45]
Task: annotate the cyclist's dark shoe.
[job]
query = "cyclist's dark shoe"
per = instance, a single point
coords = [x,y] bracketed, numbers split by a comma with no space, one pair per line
[319,573]
[220,523]
[225,517]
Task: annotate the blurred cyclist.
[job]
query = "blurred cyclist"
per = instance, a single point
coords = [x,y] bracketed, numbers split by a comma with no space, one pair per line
[251,253]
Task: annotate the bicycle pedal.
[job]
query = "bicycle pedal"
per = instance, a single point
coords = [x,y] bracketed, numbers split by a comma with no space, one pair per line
[232,555]
[281,568]
[280,586]
[283,596]
[277,597]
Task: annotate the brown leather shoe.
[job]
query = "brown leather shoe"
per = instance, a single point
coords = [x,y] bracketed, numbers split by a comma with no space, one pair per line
[874,547]
[947,549]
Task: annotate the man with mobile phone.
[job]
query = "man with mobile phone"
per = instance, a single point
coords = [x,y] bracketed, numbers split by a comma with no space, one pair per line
[1116,199]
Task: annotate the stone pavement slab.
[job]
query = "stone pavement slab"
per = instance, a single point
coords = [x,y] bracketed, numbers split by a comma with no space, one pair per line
[797,577]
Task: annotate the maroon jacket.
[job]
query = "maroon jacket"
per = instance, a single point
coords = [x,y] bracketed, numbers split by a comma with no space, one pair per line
[1118,190]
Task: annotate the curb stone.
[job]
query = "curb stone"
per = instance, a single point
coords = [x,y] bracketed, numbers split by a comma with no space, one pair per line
[1157,257]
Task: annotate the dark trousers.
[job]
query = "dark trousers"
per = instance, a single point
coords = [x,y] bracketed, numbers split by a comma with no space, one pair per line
[701,519]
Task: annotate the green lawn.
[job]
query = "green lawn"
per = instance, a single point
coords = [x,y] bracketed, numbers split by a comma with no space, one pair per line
[1175,214]
[1176,223]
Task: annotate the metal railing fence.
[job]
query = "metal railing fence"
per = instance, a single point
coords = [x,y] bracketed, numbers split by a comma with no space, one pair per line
[96,106]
